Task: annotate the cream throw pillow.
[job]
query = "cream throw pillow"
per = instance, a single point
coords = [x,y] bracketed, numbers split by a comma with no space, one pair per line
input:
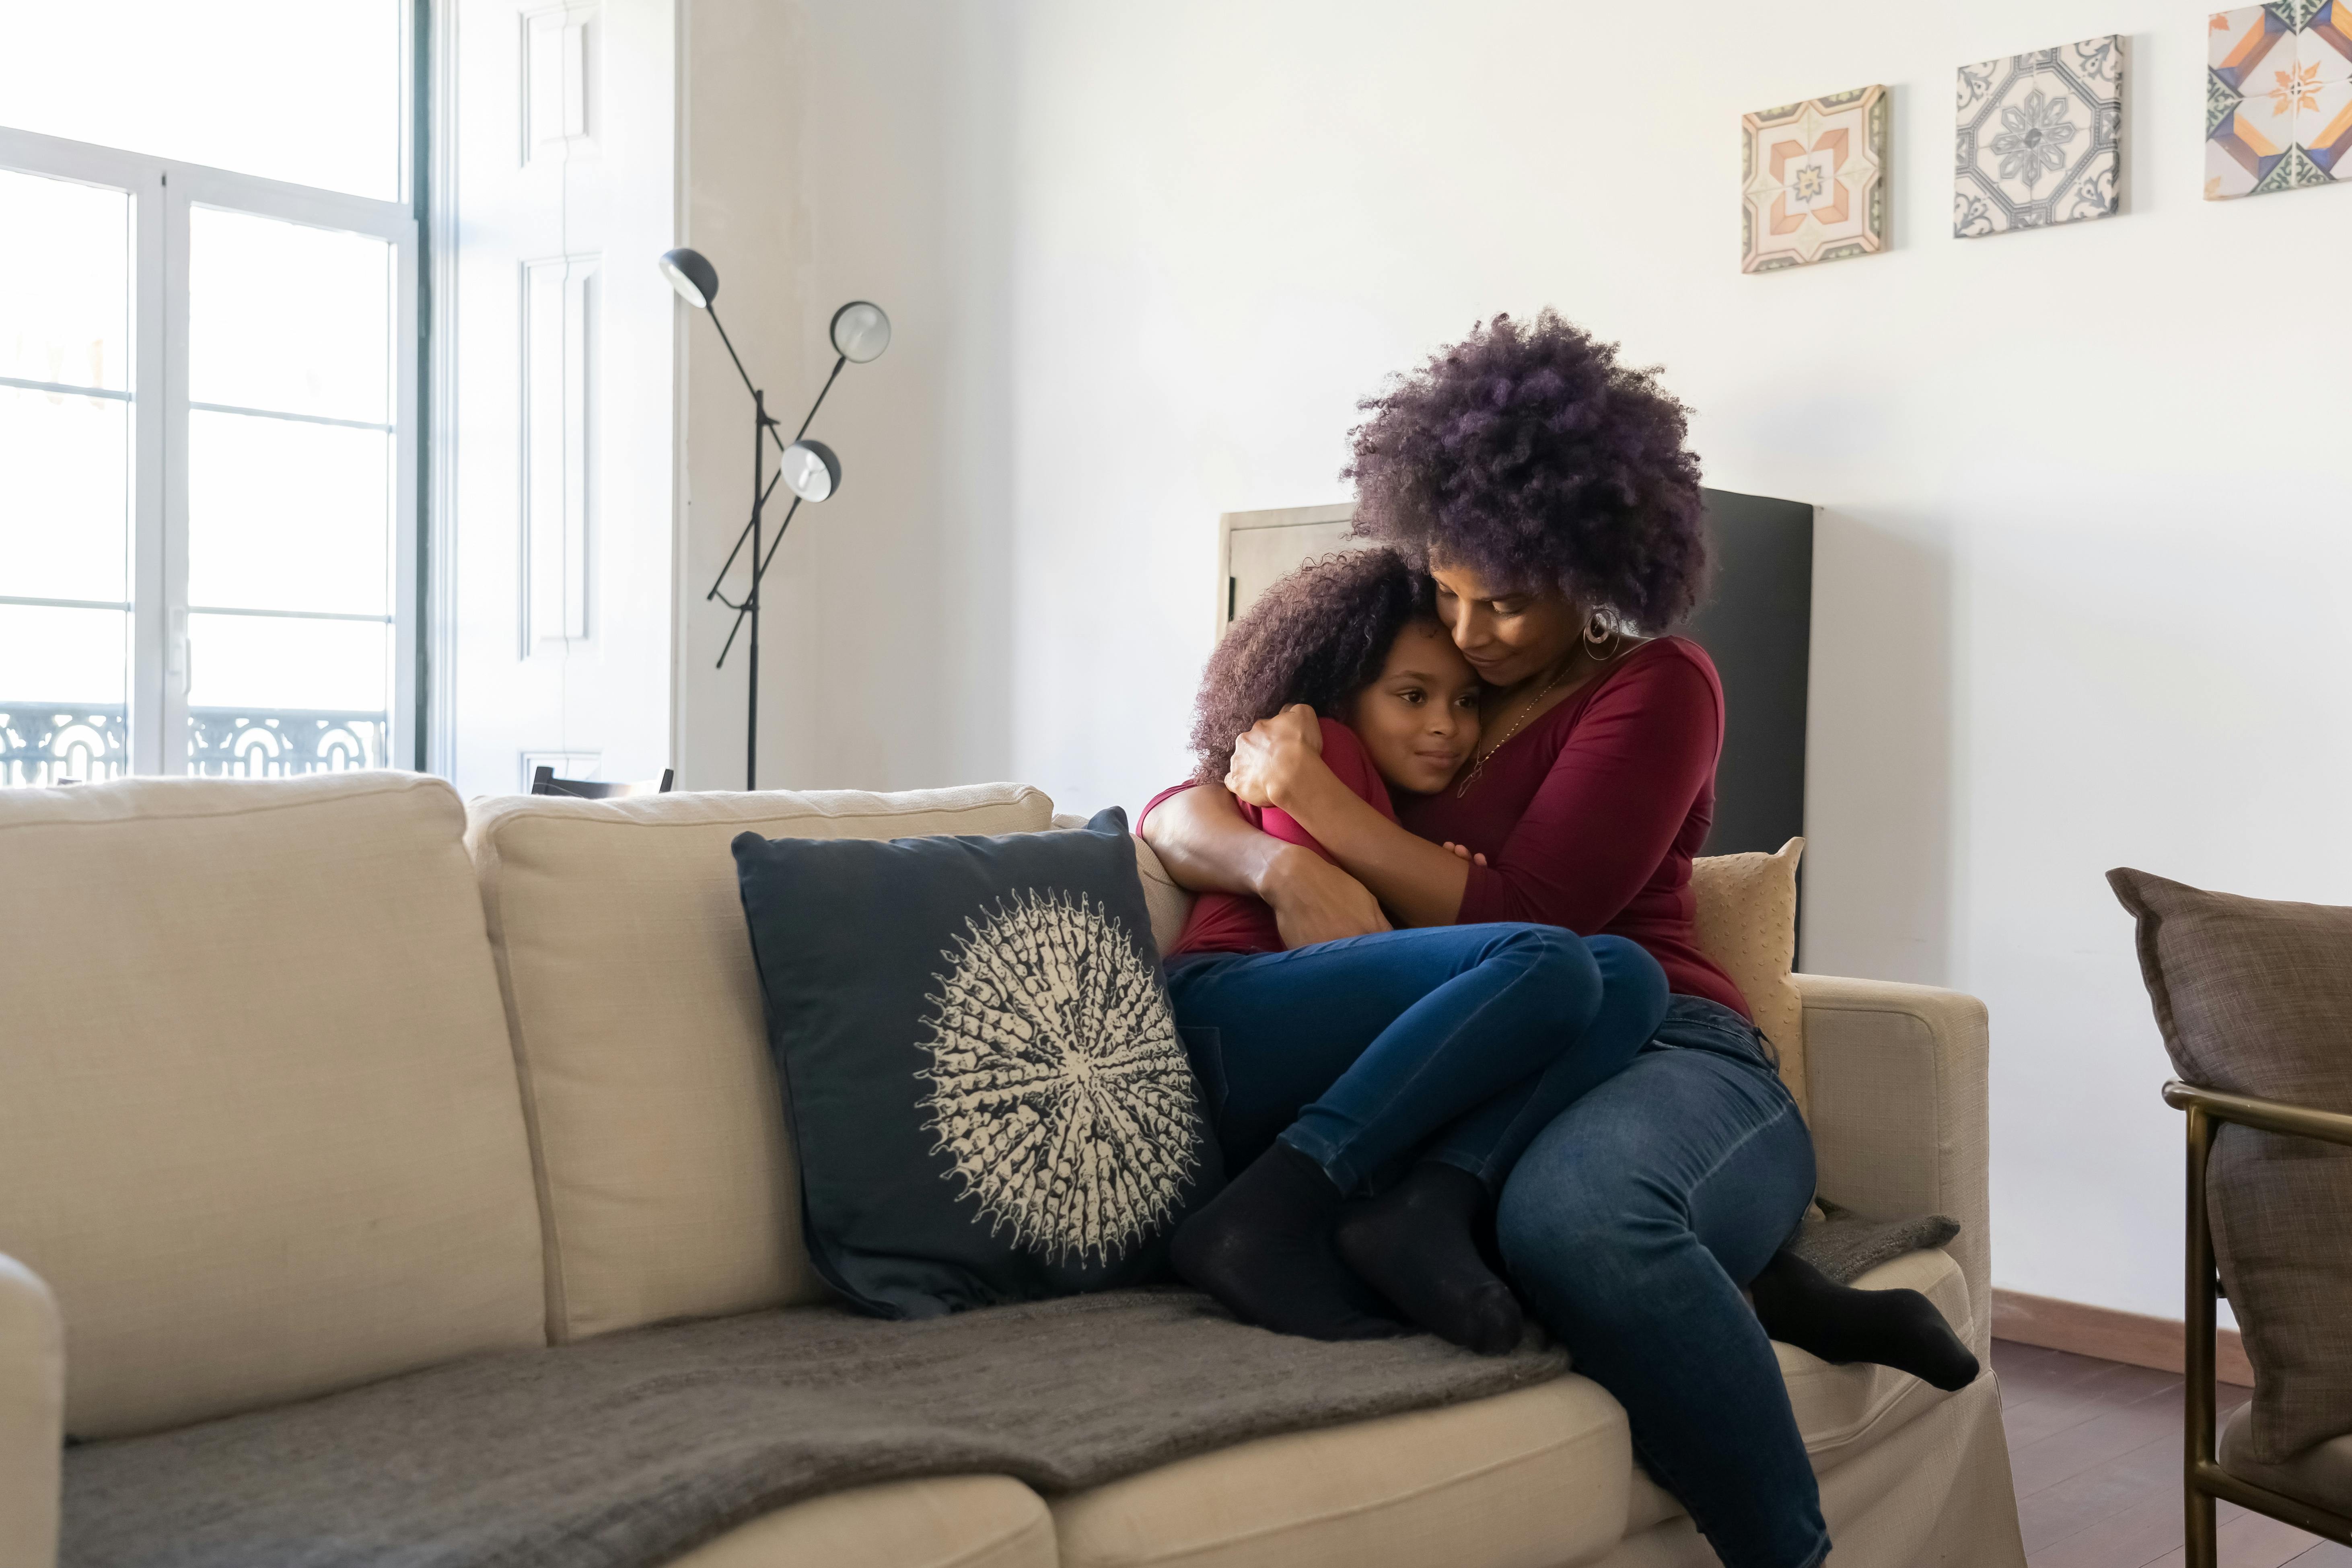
[1746,919]
[666,1178]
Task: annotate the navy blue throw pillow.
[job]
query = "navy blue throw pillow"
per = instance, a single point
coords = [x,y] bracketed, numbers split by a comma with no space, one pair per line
[984,1081]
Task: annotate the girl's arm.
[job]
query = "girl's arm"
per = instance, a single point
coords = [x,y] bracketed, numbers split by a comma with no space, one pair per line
[1206,847]
[1602,821]
[1277,763]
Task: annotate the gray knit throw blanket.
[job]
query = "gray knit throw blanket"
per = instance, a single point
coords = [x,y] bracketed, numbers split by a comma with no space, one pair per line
[628,1450]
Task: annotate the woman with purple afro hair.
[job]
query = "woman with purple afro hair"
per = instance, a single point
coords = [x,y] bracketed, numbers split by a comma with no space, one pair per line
[1545,488]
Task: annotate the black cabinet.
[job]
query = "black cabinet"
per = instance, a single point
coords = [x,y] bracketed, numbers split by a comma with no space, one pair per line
[1757,627]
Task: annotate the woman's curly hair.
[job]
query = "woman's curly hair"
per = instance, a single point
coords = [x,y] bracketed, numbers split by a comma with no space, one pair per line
[1318,636]
[1530,455]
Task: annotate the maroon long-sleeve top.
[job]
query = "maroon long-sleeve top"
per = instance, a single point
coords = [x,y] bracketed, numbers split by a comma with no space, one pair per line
[1590,817]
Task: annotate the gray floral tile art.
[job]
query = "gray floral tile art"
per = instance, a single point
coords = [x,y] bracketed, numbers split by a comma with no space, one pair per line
[2039,138]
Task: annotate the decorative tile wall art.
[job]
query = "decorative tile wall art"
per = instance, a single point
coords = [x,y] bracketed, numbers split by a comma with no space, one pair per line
[2278,97]
[2039,138]
[1814,181]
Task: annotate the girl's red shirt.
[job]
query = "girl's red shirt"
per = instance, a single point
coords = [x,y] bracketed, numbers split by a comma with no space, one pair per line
[1591,815]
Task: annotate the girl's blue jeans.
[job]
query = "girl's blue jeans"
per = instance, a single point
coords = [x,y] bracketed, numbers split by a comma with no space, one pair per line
[1454,1043]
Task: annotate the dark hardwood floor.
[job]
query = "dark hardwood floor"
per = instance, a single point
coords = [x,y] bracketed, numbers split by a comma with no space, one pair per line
[2095,1448]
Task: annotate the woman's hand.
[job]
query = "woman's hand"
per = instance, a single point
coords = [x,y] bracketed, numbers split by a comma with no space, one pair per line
[1314,901]
[1268,758]
[1462,852]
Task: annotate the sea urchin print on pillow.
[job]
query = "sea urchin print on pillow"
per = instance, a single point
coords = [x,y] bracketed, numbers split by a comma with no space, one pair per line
[1057,1084]
[987,1096]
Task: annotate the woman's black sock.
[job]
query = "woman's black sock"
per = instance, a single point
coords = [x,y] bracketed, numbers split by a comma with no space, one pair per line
[1417,1244]
[1798,1305]
[1262,1246]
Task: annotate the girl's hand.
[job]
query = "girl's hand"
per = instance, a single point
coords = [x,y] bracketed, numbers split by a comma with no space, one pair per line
[1462,852]
[1268,758]
[1314,901]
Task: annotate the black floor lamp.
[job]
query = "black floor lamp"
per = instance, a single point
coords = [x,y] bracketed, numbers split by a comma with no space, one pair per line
[807,468]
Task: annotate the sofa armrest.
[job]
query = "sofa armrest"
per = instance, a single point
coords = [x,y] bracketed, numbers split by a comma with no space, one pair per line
[32,1418]
[1896,1078]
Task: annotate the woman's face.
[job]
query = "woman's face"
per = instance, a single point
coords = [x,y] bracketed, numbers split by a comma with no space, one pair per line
[1508,636]
[1418,720]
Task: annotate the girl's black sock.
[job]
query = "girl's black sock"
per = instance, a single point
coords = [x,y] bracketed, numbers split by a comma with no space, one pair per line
[1417,1245]
[1262,1246]
[1798,1305]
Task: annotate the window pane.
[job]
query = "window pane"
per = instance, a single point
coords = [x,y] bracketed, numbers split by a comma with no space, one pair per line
[273,663]
[284,515]
[65,496]
[65,300]
[289,318]
[306,90]
[62,681]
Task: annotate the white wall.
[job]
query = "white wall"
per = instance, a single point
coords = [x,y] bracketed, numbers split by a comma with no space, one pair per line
[835,151]
[2078,564]
[2079,596]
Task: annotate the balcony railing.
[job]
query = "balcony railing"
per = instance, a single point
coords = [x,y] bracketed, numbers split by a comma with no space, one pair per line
[42,743]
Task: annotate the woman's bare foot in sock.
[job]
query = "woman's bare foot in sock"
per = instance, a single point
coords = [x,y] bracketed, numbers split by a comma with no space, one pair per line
[1262,1247]
[1416,1244]
[1799,1305]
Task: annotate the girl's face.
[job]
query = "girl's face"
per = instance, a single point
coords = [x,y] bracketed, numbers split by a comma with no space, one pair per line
[1418,720]
[1508,636]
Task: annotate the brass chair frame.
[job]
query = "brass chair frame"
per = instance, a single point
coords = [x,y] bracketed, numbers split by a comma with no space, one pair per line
[2203,1478]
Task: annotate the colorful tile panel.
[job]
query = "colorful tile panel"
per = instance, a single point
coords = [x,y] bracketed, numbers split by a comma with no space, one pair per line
[2039,139]
[2278,97]
[1814,181]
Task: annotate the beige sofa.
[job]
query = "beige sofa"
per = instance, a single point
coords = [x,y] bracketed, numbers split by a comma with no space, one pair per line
[312,1082]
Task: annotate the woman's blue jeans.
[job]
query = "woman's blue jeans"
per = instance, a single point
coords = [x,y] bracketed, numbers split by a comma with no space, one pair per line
[1355,1052]
[1631,1225]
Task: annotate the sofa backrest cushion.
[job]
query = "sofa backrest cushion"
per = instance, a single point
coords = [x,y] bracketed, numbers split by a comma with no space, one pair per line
[667,1184]
[259,1128]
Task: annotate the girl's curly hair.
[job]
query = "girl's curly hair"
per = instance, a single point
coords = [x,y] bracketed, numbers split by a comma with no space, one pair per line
[1530,455]
[1318,636]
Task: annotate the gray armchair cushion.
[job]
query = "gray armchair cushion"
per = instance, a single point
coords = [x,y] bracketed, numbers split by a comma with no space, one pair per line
[2321,1477]
[2256,997]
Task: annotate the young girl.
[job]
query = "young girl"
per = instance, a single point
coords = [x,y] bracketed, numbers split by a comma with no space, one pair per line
[1416,1063]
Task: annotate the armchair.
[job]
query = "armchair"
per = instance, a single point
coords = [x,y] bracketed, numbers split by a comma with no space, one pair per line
[2313,1490]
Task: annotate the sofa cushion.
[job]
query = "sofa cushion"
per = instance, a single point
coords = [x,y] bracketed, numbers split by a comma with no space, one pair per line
[258,1122]
[1537,1475]
[2253,997]
[957,1521]
[1745,918]
[989,1097]
[1843,1411]
[669,1187]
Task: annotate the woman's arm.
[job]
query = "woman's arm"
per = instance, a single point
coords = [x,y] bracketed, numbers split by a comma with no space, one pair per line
[1278,765]
[1206,847]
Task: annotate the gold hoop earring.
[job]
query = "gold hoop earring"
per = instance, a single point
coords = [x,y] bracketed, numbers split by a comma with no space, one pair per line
[1597,634]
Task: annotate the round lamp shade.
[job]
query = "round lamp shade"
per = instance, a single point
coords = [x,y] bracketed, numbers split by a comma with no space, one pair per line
[697,281]
[860,331]
[811,471]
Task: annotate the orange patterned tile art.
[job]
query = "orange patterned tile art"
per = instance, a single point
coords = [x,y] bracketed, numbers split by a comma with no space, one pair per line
[2278,97]
[1815,179]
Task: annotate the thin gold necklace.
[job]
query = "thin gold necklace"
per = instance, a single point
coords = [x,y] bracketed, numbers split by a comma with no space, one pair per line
[1479,765]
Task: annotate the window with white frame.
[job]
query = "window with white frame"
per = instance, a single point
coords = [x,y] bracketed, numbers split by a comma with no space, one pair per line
[208,374]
